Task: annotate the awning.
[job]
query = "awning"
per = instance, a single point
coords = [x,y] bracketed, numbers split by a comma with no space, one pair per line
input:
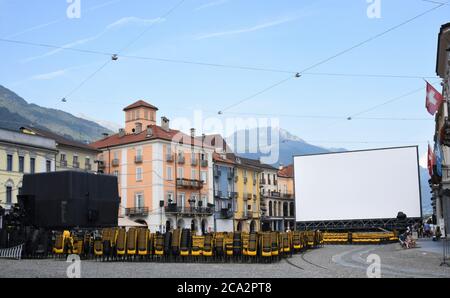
[125,222]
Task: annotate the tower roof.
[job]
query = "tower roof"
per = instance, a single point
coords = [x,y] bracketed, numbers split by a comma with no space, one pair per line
[140,103]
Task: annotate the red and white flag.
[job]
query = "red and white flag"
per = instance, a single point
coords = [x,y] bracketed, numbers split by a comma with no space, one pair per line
[434,99]
[430,163]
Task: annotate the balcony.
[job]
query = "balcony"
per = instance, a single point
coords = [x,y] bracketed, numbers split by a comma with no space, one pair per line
[275,194]
[288,196]
[169,157]
[204,163]
[217,194]
[230,176]
[188,211]
[248,196]
[181,160]
[226,213]
[233,195]
[115,162]
[253,215]
[138,159]
[189,183]
[242,215]
[136,211]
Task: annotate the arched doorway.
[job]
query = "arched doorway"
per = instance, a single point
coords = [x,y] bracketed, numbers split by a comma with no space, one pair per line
[180,224]
[194,226]
[252,226]
[168,225]
[239,226]
[204,226]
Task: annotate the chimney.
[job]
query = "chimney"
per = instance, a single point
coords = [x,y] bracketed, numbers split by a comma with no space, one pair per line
[138,128]
[149,131]
[192,132]
[280,167]
[165,123]
[121,132]
[105,134]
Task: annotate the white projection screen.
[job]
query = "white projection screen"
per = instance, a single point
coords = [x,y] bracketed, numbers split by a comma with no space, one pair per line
[353,185]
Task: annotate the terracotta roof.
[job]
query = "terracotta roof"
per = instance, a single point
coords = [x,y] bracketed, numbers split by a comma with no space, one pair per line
[140,103]
[287,171]
[218,158]
[60,139]
[157,133]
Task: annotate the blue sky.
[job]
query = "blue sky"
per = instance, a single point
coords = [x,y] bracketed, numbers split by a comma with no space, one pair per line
[282,34]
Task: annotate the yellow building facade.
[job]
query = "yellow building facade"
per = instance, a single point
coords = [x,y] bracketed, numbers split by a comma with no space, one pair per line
[248,202]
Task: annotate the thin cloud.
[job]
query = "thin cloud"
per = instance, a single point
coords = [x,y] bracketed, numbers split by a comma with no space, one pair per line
[114,25]
[133,21]
[211,4]
[49,75]
[245,30]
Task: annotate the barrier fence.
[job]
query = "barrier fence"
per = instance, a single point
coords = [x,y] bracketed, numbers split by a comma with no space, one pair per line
[446,252]
[12,253]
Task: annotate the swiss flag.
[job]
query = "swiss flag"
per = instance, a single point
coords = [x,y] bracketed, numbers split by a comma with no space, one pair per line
[430,160]
[434,99]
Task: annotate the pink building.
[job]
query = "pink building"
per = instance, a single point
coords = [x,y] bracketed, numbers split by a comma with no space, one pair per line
[165,176]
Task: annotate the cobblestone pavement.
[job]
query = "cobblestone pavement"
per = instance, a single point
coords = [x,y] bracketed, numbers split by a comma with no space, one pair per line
[329,261]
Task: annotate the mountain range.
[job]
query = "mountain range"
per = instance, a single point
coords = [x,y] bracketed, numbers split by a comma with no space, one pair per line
[16,112]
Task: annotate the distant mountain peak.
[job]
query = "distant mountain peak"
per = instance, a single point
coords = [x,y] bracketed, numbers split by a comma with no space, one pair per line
[286,135]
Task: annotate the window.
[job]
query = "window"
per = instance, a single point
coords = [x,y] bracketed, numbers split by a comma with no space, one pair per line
[170,198]
[193,200]
[181,199]
[87,163]
[169,173]
[139,152]
[139,174]
[75,163]
[32,165]
[204,201]
[8,195]
[139,200]
[116,155]
[168,149]
[193,174]
[116,173]
[48,165]
[204,176]
[9,165]
[180,173]
[21,164]
[146,114]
